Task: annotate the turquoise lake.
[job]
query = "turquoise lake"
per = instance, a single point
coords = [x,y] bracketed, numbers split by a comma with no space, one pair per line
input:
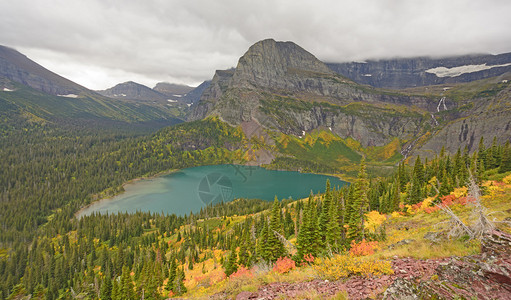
[193,188]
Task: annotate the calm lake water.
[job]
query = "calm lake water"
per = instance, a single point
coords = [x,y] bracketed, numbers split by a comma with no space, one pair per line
[190,189]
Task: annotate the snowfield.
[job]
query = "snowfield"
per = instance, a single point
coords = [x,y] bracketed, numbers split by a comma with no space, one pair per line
[69,96]
[457,71]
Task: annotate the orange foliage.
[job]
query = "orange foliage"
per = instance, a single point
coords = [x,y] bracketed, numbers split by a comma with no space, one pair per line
[284,265]
[363,248]
[242,272]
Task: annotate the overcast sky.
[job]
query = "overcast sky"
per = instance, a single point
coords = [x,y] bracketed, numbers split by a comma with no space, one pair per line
[99,43]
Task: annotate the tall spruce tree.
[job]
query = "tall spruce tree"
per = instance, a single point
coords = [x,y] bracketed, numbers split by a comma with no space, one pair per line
[231,264]
[308,234]
[324,215]
[275,245]
[359,204]
[505,162]
[263,251]
[333,232]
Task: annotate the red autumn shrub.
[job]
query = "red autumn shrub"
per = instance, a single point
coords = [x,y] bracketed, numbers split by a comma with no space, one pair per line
[363,248]
[242,272]
[284,265]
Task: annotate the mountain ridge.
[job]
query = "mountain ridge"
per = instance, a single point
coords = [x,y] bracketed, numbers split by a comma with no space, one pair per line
[282,87]
[19,68]
[400,73]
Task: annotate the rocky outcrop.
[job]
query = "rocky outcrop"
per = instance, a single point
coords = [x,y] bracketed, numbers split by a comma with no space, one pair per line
[489,117]
[194,95]
[483,276]
[19,68]
[412,72]
[282,86]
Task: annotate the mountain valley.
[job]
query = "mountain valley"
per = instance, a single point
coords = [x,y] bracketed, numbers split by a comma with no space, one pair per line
[428,158]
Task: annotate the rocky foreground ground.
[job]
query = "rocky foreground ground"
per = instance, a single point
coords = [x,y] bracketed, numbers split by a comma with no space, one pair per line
[483,276]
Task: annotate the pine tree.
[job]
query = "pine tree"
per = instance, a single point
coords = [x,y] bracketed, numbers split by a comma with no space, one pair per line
[308,234]
[172,273]
[275,245]
[505,164]
[359,203]
[417,182]
[106,289]
[245,246]
[231,265]
[263,250]
[126,286]
[179,285]
[333,232]
[324,215]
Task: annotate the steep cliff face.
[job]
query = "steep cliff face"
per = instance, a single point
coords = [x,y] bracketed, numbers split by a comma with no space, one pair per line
[424,71]
[277,65]
[284,87]
[486,116]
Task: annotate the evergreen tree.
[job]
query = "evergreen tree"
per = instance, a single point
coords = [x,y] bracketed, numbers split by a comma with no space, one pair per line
[231,265]
[245,258]
[324,215]
[106,289]
[263,250]
[179,285]
[275,245]
[172,273]
[308,235]
[417,182]
[333,232]
[505,164]
[126,287]
[359,203]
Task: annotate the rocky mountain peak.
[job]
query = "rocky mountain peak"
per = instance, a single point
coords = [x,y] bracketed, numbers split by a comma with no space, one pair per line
[268,62]
[134,91]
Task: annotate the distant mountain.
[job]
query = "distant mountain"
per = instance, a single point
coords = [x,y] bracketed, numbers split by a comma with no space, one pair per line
[172,89]
[31,93]
[194,95]
[134,91]
[424,71]
[19,68]
[282,87]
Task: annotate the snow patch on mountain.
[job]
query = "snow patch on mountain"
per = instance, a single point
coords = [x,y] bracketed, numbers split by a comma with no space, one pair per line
[69,96]
[457,71]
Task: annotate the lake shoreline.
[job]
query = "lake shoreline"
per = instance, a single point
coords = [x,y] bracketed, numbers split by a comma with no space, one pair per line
[127,183]
[83,210]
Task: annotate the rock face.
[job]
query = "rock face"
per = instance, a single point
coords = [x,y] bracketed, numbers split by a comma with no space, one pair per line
[19,68]
[484,276]
[134,91]
[423,71]
[194,95]
[277,65]
[488,117]
[282,86]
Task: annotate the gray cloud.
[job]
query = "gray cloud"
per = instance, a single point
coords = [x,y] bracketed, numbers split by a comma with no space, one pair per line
[99,43]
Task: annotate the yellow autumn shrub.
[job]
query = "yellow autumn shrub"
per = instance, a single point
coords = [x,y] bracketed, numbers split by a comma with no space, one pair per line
[507,179]
[374,220]
[345,265]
